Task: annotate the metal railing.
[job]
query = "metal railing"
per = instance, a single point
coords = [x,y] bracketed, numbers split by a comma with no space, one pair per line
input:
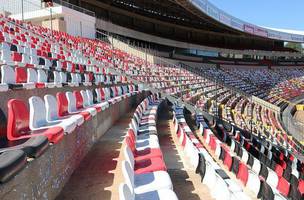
[74,7]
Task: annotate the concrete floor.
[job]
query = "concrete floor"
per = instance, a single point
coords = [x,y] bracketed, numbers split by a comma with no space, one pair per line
[187,184]
[99,174]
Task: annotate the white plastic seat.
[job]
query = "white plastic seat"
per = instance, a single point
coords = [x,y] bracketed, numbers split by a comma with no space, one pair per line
[125,193]
[58,66]
[97,79]
[25,59]
[103,105]
[210,176]
[147,182]
[57,79]
[38,117]
[142,137]
[256,167]
[253,182]
[87,80]
[232,146]
[52,112]
[272,178]
[47,64]
[8,79]
[63,77]
[74,80]
[72,109]
[239,196]
[245,155]
[6,54]
[218,148]
[42,78]
[34,61]
[220,191]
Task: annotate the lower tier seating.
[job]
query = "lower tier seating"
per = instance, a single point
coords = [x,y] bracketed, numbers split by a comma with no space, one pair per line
[30,127]
[144,169]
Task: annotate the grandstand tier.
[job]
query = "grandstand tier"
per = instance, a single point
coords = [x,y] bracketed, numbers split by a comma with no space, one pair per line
[96,118]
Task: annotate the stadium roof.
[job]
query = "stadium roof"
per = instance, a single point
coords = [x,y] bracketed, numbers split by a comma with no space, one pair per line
[186,21]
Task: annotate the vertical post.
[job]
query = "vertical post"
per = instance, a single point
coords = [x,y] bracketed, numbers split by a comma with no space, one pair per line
[216,96]
[51,20]
[251,115]
[146,54]
[80,28]
[22,10]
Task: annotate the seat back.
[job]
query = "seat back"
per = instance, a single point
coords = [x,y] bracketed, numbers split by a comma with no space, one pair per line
[90,97]
[5,52]
[63,77]
[201,167]
[63,104]
[283,186]
[245,155]
[96,95]
[254,183]
[129,156]
[125,193]
[37,112]
[21,75]
[57,78]
[18,119]
[128,173]
[51,107]
[85,98]
[42,77]
[103,96]
[256,166]
[243,173]
[272,178]
[7,75]
[32,75]
[72,105]
[131,143]
[79,99]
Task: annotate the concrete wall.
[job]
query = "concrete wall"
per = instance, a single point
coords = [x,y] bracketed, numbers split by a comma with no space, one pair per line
[44,177]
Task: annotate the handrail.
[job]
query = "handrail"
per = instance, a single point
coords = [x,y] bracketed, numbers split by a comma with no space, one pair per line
[74,7]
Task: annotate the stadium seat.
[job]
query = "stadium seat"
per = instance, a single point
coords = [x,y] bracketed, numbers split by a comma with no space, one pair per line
[143,154]
[18,124]
[147,182]
[144,166]
[21,78]
[11,162]
[125,193]
[38,116]
[51,106]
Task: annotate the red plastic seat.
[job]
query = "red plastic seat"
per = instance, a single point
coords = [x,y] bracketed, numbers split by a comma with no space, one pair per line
[301,187]
[18,124]
[279,170]
[228,160]
[63,107]
[243,173]
[143,154]
[283,186]
[212,142]
[149,165]
[17,57]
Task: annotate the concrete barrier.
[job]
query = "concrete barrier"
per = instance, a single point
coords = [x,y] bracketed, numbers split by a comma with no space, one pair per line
[44,177]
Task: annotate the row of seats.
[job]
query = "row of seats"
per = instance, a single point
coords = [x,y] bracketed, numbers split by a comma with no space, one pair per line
[144,169]
[249,169]
[235,109]
[30,78]
[213,176]
[28,131]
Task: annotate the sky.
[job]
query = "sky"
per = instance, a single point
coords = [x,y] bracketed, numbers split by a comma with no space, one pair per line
[282,14]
